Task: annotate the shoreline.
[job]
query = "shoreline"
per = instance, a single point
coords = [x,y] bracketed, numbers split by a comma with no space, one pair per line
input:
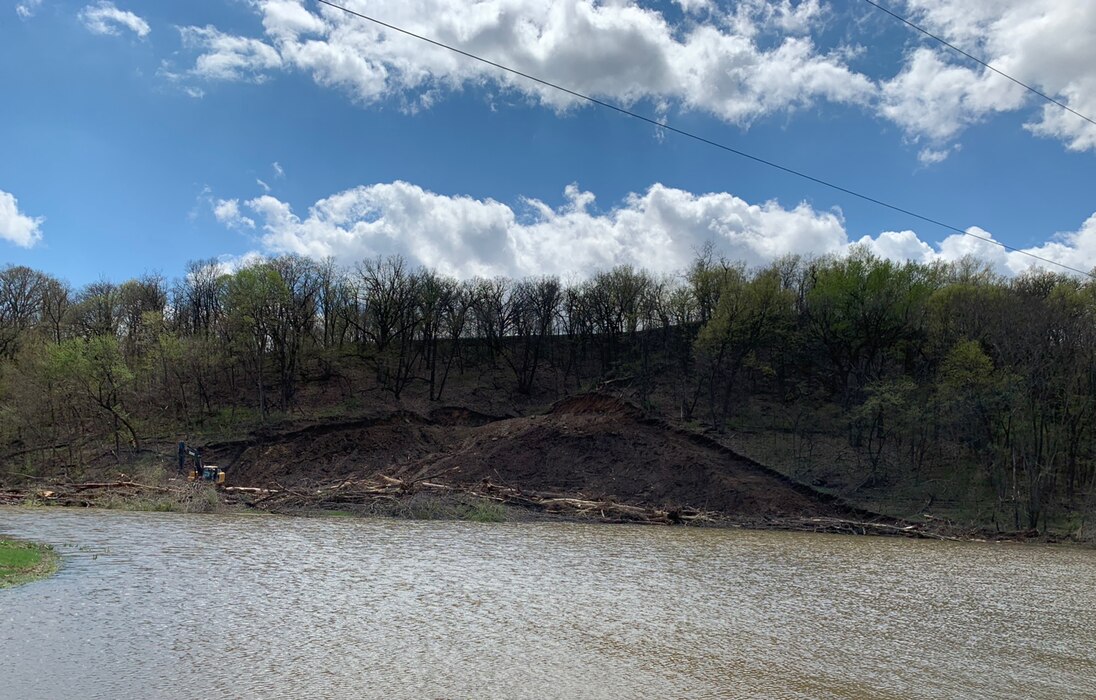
[23,562]
[486,502]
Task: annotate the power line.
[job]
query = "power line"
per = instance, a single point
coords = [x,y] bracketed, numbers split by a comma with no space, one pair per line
[701,139]
[979,61]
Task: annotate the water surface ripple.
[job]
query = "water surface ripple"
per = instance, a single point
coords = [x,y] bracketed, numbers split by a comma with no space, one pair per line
[174,606]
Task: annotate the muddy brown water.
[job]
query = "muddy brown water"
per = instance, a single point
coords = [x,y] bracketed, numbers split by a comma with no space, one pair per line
[175,606]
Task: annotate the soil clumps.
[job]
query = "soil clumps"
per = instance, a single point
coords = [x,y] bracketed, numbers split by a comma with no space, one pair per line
[593,447]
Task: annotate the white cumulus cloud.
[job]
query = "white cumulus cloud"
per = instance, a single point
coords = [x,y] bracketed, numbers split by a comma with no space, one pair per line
[15,226]
[227,211]
[899,246]
[740,62]
[659,229]
[936,99]
[106,18]
[1047,44]
[1074,249]
[227,57]
[616,50]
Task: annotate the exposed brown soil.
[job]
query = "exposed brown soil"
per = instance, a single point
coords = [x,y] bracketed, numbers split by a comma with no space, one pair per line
[591,446]
[588,457]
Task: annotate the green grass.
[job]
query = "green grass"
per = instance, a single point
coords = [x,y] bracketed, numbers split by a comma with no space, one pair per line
[421,506]
[325,513]
[192,498]
[22,562]
[484,512]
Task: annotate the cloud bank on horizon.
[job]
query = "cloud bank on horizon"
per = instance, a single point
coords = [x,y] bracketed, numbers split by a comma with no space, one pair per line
[739,64]
[661,230]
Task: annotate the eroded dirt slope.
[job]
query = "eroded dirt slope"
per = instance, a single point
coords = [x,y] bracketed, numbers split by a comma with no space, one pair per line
[336,450]
[591,445]
[602,448]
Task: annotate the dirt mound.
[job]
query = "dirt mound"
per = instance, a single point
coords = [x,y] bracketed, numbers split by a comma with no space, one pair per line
[596,404]
[600,448]
[329,451]
[459,416]
[591,446]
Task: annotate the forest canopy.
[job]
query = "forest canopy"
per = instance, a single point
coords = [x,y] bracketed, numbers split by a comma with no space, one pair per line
[910,374]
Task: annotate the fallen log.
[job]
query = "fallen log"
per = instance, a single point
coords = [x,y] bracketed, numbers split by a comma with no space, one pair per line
[388,489]
[120,485]
[843,526]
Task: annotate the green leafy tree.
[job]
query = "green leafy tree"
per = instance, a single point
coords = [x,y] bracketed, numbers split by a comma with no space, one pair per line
[251,298]
[93,371]
[750,314]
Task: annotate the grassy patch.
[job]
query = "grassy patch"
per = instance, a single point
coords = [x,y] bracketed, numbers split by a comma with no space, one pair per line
[484,512]
[334,513]
[191,498]
[22,562]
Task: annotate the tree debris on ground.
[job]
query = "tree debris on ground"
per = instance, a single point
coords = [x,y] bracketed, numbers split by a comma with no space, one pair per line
[383,493]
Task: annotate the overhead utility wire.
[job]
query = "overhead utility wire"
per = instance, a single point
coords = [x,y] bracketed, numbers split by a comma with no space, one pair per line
[979,61]
[701,139]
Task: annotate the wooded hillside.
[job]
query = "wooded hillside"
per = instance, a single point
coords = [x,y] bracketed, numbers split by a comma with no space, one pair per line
[906,387]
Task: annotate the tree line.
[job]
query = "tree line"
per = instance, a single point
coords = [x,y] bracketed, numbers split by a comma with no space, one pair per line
[912,364]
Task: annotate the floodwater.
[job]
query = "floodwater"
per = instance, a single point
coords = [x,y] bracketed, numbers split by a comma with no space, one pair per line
[178,606]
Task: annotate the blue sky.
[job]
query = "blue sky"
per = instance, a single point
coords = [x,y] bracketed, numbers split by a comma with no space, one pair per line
[134,136]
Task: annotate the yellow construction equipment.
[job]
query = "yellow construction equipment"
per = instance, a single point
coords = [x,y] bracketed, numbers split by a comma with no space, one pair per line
[208,472]
[198,471]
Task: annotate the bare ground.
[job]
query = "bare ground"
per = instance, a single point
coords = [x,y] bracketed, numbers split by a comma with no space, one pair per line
[591,446]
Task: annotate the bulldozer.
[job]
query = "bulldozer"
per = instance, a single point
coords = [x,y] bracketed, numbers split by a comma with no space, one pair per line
[199,471]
